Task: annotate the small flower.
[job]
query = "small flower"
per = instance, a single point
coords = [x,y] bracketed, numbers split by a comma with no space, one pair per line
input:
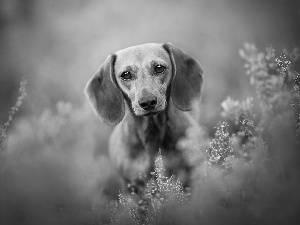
[283,63]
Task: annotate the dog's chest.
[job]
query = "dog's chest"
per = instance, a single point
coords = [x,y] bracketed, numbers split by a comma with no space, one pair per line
[151,134]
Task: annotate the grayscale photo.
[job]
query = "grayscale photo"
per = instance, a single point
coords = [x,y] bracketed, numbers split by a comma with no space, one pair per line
[180,112]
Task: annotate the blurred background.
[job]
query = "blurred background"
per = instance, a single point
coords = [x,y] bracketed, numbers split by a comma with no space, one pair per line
[58,45]
[57,149]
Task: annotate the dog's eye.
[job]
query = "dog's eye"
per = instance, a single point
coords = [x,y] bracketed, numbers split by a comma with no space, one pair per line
[159,69]
[126,75]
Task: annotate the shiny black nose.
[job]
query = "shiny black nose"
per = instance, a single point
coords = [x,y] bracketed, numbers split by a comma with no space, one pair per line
[148,102]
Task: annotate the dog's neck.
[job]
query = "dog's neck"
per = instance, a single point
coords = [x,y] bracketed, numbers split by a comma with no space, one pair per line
[152,129]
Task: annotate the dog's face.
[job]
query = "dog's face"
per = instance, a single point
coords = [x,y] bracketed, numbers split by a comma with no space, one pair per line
[148,76]
[143,73]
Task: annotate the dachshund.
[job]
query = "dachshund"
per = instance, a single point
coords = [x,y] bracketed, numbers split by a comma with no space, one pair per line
[145,90]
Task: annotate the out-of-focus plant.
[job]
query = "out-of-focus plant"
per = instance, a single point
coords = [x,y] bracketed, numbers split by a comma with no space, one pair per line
[157,204]
[55,169]
[13,110]
[276,82]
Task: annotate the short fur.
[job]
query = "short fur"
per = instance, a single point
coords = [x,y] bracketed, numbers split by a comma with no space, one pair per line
[141,132]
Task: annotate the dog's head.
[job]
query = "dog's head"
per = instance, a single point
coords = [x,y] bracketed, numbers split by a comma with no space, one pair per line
[145,76]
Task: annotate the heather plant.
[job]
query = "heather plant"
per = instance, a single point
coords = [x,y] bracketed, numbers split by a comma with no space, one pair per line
[55,169]
[220,147]
[276,83]
[156,205]
[13,110]
[263,145]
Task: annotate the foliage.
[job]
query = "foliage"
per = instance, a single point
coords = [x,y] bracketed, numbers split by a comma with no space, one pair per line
[276,83]
[156,204]
[220,147]
[50,169]
[12,112]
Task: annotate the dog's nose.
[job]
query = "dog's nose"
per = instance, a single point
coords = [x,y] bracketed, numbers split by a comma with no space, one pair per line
[148,102]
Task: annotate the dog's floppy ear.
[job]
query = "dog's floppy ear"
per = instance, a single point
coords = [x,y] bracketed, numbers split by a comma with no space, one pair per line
[187,78]
[104,95]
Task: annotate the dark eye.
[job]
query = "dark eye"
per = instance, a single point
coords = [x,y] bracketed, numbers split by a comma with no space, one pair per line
[159,69]
[126,75]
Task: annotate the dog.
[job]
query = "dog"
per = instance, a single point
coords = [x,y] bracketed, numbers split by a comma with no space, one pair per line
[144,91]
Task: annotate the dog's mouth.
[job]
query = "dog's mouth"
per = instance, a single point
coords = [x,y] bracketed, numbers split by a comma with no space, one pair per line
[141,112]
[158,109]
[151,113]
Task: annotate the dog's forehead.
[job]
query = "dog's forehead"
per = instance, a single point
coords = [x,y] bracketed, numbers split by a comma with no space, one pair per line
[141,53]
